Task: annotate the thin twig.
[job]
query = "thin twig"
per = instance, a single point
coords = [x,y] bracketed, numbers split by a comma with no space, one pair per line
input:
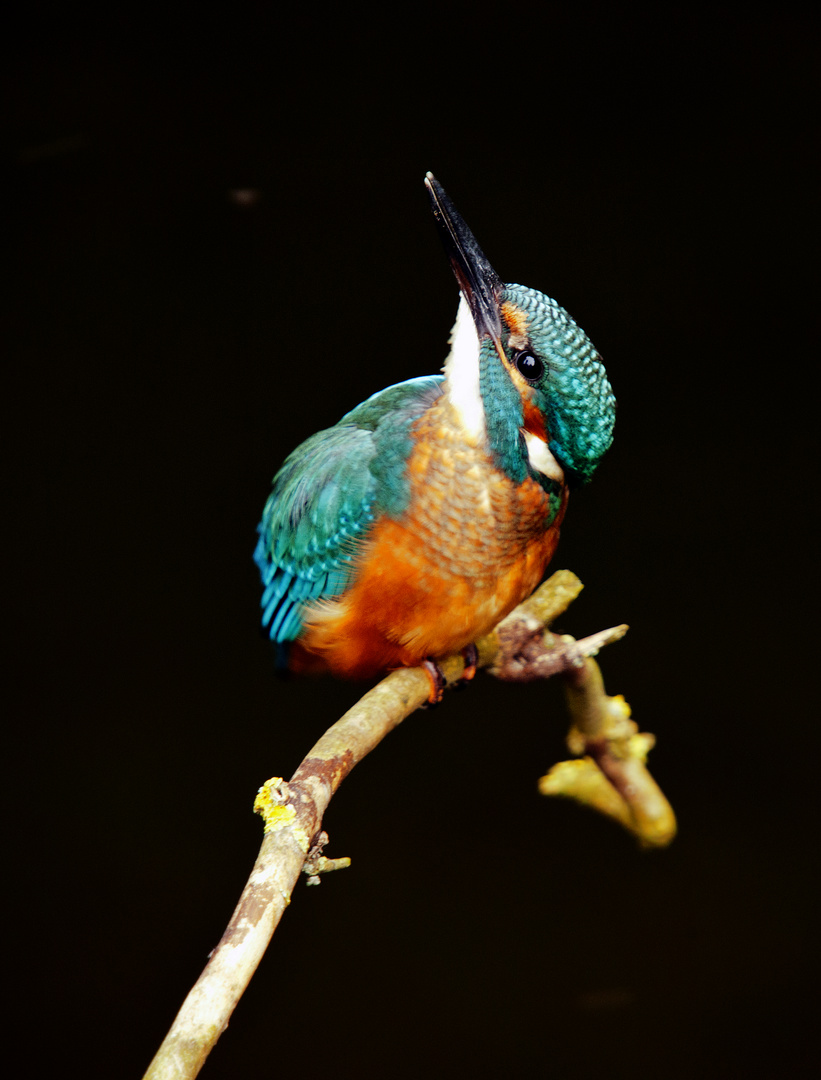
[613,778]
[518,649]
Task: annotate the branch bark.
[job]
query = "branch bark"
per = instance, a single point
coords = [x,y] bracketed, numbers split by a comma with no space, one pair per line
[612,778]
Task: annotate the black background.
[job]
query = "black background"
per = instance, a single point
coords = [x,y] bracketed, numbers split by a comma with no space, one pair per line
[170,343]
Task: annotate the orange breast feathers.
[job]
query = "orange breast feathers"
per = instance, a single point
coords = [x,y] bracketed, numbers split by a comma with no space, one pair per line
[470,546]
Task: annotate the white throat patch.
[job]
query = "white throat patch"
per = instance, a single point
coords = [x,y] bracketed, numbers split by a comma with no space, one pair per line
[540,457]
[462,372]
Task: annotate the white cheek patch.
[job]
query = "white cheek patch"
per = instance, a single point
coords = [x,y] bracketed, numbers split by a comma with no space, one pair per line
[462,373]
[540,457]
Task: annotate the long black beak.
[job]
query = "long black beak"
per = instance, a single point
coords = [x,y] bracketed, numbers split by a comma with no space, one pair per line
[480,284]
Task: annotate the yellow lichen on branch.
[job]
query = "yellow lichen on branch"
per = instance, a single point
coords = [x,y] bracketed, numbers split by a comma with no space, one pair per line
[272,806]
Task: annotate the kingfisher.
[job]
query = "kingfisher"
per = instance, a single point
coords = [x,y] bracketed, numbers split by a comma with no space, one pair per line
[427,513]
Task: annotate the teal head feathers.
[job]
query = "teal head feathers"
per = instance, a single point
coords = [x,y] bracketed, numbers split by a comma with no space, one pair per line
[565,377]
[524,376]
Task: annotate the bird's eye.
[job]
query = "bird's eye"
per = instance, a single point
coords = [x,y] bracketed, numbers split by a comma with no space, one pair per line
[530,366]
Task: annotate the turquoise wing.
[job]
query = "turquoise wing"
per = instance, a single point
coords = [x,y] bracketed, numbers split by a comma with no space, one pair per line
[326,497]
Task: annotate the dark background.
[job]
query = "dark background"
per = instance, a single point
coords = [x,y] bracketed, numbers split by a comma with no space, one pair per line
[169,343]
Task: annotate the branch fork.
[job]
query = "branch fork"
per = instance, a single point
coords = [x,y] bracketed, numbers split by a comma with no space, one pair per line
[610,776]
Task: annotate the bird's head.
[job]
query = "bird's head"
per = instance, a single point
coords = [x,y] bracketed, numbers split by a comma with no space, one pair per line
[521,374]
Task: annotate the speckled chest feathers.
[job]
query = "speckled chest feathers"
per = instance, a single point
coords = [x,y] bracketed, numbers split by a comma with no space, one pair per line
[470,519]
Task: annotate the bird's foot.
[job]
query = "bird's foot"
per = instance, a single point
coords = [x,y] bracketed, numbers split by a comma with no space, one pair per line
[437,680]
[437,683]
[470,654]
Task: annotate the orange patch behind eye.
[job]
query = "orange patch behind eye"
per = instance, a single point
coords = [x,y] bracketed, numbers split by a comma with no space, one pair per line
[516,321]
[534,420]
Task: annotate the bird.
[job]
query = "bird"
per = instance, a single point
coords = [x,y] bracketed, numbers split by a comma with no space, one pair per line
[411,527]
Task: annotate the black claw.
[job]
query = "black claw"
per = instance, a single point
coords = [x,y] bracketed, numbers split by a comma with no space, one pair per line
[437,682]
[471,657]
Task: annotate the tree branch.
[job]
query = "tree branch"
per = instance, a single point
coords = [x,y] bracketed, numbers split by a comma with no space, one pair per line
[612,779]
